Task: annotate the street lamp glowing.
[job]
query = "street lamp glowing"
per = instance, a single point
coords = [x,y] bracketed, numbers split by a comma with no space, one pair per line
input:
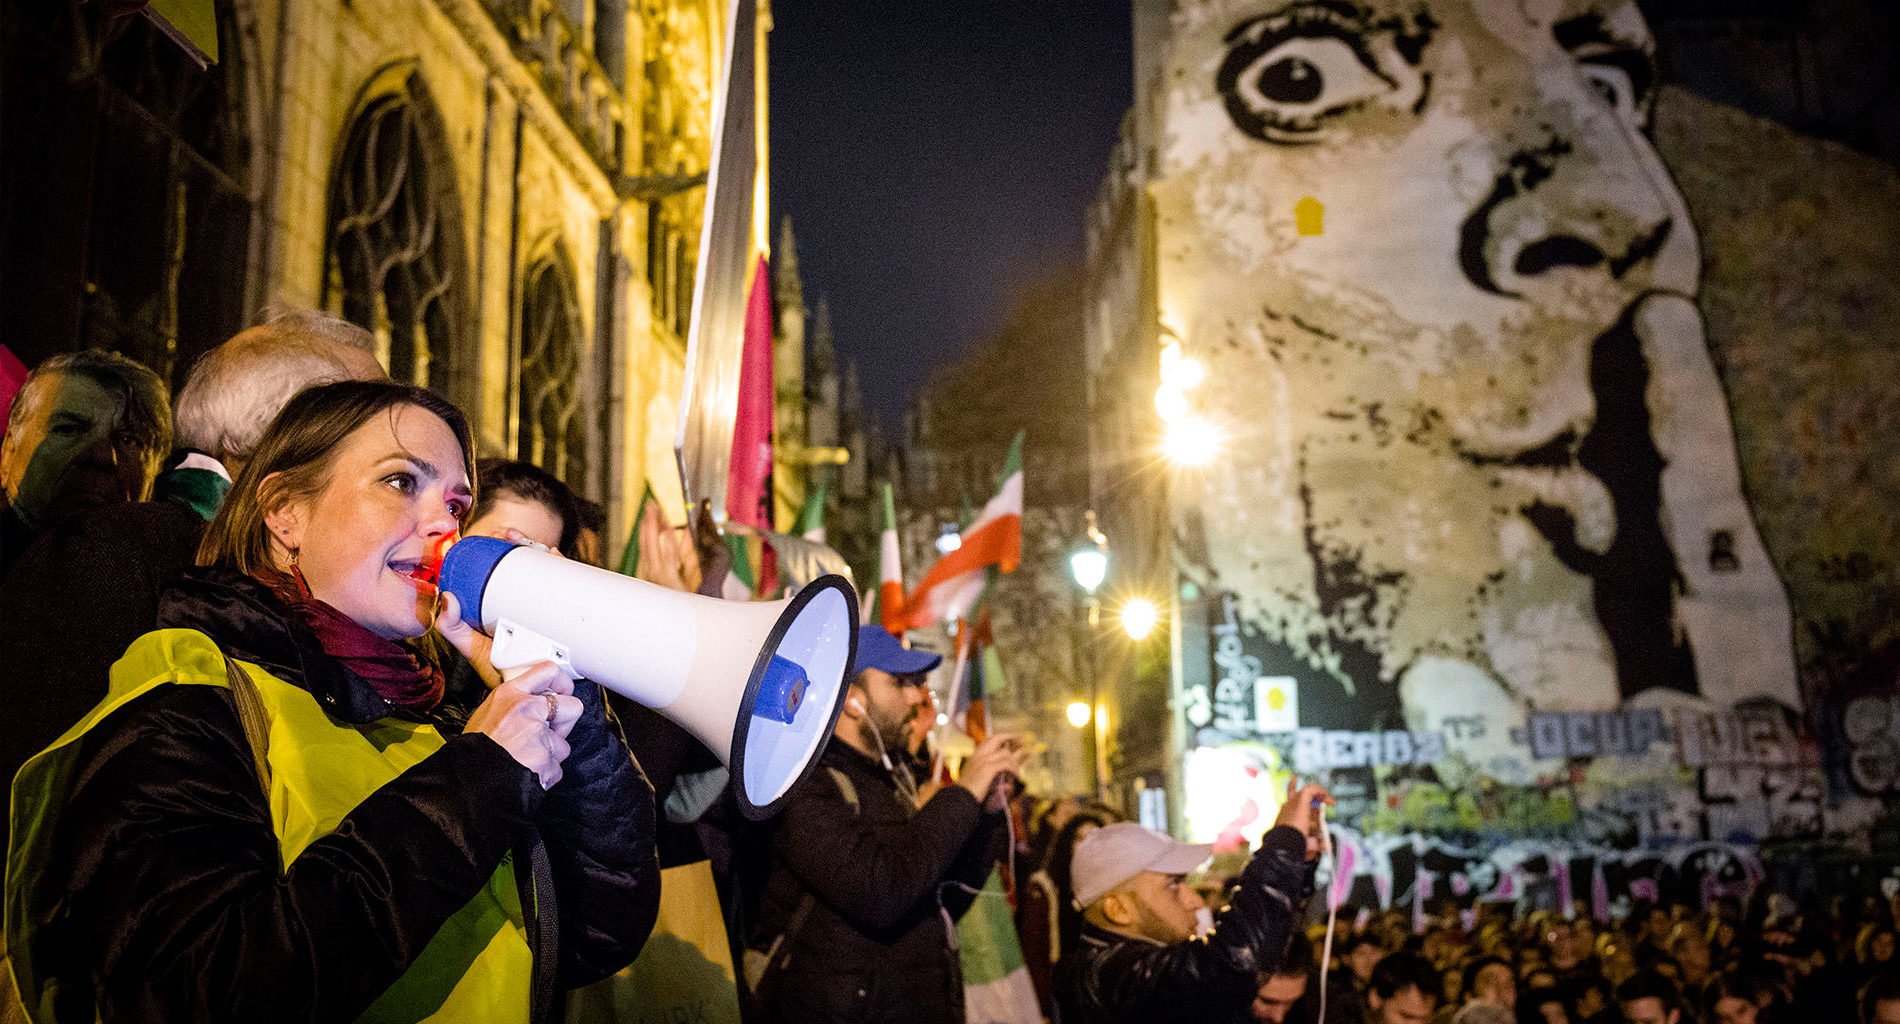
[1078,713]
[1089,566]
[1139,618]
[1170,404]
[1189,373]
[1191,441]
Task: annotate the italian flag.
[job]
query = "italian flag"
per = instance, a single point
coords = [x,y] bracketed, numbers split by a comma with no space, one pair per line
[952,586]
[890,570]
[996,985]
[13,376]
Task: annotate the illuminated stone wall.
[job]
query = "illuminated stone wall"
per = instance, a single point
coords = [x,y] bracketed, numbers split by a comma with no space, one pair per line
[1554,504]
[542,135]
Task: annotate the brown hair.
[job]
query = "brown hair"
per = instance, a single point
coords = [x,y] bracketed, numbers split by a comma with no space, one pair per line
[300,446]
[530,482]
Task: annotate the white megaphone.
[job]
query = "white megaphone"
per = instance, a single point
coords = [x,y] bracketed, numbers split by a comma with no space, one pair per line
[759,683]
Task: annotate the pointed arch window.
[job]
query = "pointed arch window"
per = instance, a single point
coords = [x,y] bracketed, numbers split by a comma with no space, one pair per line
[394,264]
[553,424]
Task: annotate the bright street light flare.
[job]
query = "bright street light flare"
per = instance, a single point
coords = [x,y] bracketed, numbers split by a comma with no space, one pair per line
[1170,404]
[1139,618]
[1189,373]
[1078,713]
[1191,442]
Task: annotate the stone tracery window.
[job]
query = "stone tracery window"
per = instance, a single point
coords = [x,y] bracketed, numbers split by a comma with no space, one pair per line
[394,263]
[553,425]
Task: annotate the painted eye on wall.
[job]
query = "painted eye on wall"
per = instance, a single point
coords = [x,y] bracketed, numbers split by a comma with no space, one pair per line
[1615,61]
[1615,86]
[1283,85]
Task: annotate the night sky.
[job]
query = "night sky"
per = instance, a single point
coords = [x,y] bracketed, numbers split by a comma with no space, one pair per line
[934,159]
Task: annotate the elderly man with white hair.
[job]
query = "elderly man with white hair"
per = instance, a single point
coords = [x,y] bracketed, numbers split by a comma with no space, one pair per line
[236,389]
[89,585]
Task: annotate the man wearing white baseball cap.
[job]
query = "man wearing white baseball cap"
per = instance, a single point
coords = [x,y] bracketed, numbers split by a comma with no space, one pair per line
[1140,957]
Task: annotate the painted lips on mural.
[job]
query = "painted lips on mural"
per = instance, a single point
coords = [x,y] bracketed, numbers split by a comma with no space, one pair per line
[1484,462]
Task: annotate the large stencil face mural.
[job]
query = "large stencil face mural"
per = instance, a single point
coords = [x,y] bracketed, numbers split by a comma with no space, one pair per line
[1480,459]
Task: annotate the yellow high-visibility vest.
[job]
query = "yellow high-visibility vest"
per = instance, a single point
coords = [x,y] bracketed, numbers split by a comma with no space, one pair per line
[477,967]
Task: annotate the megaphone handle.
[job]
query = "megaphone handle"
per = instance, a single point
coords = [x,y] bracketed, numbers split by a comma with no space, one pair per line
[517,648]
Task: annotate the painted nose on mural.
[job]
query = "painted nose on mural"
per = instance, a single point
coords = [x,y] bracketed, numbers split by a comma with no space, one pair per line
[1573,200]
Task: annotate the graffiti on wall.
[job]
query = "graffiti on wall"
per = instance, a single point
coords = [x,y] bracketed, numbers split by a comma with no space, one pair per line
[1637,777]
[1316,750]
[1592,733]
[1412,869]
[1493,492]
[1872,727]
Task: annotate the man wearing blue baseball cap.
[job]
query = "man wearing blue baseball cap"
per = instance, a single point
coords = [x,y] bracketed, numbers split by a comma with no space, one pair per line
[865,880]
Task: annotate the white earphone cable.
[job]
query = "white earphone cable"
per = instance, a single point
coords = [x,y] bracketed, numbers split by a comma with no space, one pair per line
[1332,906]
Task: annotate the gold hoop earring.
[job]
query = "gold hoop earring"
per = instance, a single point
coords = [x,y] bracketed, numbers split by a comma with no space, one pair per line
[296,573]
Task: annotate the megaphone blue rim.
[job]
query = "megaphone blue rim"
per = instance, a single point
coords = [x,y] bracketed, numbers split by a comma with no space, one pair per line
[736,763]
[466,567]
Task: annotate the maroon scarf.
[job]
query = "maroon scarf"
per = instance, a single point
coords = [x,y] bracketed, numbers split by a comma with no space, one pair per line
[390,668]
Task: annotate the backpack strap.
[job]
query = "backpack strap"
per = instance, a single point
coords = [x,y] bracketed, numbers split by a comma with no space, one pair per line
[763,966]
[541,911]
[251,718]
[846,787]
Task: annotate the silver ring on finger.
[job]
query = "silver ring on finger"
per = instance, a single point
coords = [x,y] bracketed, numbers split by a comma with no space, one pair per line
[554,705]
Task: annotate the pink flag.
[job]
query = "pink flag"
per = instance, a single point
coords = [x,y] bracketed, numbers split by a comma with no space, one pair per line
[12,379]
[749,475]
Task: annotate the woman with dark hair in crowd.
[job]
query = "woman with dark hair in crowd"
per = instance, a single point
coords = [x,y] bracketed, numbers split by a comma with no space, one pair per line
[529,500]
[278,813]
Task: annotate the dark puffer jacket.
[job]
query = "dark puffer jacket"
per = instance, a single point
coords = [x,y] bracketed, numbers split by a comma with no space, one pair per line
[1110,978]
[72,604]
[176,906]
[882,876]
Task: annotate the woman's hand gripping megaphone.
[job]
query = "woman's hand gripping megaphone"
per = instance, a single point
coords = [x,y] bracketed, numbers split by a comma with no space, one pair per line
[529,710]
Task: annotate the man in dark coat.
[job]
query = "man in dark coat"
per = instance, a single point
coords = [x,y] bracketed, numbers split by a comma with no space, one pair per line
[82,592]
[866,881]
[1140,957]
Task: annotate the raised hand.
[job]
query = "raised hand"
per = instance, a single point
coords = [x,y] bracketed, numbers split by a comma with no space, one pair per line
[1003,753]
[1301,811]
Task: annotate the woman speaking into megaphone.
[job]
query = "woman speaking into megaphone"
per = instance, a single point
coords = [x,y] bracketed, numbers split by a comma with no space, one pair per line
[281,812]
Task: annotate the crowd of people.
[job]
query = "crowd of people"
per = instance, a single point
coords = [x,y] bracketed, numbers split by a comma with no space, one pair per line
[1763,960]
[262,769]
